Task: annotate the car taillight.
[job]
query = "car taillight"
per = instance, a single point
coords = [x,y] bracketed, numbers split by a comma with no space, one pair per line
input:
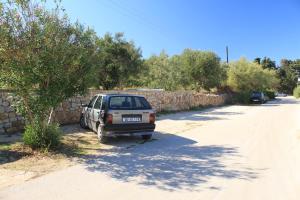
[109,119]
[152,118]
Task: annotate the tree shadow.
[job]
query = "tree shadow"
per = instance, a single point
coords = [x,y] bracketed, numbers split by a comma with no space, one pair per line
[203,115]
[70,129]
[11,148]
[280,101]
[284,100]
[7,156]
[169,163]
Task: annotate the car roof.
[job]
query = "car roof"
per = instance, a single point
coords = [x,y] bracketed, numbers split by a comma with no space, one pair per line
[119,94]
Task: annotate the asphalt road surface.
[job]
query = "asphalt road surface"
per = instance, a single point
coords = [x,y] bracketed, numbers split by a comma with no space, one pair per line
[231,152]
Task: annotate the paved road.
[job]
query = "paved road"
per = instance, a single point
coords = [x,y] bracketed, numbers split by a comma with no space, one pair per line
[232,152]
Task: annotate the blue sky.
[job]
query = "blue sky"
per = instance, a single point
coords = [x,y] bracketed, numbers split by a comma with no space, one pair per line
[252,28]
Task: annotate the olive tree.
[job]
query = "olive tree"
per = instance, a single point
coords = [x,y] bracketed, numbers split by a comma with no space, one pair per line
[119,62]
[203,67]
[163,72]
[44,57]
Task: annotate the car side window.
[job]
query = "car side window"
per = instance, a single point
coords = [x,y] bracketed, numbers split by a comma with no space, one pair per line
[92,102]
[98,103]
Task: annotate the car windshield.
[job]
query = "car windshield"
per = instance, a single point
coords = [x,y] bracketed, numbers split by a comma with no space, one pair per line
[128,103]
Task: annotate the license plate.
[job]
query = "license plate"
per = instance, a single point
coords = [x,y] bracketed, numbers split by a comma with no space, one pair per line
[131,119]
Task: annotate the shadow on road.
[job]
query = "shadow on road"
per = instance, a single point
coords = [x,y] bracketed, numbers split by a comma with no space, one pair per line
[7,156]
[283,100]
[169,163]
[205,115]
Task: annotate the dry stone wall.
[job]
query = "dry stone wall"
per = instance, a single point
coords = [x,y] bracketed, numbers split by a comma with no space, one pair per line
[10,121]
[69,111]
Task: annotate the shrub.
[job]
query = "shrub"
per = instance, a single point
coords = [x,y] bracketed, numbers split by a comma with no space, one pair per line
[241,97]
[248,76]
[39,136]
[270,94]
[297,92]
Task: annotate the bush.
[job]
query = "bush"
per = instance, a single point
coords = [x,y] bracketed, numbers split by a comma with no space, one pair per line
[248,76]
[39,136]
[270,94]
[241,97]
[297,92]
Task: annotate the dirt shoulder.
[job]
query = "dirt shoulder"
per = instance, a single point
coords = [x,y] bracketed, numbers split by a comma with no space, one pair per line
[19,163]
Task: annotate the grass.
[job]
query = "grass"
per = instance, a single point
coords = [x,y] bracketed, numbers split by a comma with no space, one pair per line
[5,146]
[296,92]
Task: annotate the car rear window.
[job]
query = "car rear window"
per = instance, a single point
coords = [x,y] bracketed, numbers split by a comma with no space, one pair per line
[128,103]
[256,94]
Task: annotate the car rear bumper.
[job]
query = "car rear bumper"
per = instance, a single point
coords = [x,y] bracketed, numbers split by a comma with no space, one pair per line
[256,100]
[128,129]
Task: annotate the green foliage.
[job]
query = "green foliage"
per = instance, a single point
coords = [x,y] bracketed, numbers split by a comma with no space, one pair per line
[245,76]
[118,62]
[189,70]
[267,63]
[270,94]
[40,136]
[296,92]
[159,71]
[242,97]
[44,57]
[164,72]
[203,68]
[288,75]
[257,60]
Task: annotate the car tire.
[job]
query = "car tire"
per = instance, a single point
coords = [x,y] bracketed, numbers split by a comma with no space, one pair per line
[147,137]
[82,122]
[102,139]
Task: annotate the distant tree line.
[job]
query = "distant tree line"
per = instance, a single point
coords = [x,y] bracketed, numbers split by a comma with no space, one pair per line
[288,72]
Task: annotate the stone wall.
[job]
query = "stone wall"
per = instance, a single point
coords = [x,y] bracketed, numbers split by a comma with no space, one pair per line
[69,111]
[10,122]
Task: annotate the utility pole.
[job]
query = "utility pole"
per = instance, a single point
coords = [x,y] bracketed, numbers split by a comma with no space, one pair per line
[227,54]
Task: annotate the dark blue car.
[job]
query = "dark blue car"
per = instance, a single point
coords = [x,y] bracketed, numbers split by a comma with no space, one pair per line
[258,97]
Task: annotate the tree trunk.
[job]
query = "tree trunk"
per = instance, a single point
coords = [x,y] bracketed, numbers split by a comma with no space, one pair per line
[30,115]
[50,116]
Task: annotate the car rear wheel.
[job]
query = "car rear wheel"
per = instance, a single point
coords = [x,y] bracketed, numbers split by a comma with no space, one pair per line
[147,137]
[102,139]
[82,122]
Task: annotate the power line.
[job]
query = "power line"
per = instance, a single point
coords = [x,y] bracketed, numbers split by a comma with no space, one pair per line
[136,16]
